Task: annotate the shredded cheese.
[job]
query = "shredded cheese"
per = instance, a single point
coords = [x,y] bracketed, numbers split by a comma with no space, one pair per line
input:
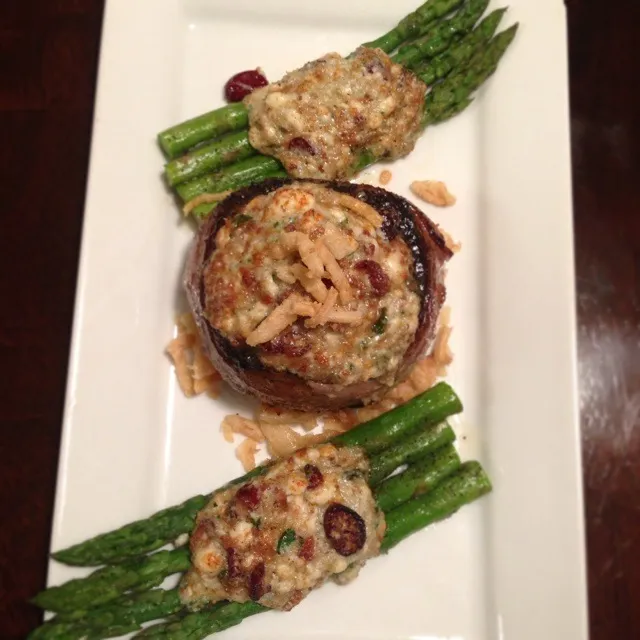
[335,272]
[204,198]
[276,322]
[307,250]
[322,314]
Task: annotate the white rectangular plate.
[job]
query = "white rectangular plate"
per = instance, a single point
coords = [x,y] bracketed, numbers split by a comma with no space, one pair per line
[509,567]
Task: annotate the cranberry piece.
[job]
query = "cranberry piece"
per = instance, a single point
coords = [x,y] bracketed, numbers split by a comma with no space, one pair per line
[345,529]
[233,564]
[307,550]
[256,582]
[249,496]
[291,342]
[248,279]
[301,144]
[242,84]
[314,476]
[378,279]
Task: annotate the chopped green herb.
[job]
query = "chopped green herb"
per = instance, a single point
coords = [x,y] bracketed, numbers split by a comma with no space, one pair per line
[382,360]
[286,540]
[241,219]
[344,223]
[353,474]
[256,522]
[223,574]
[381,323]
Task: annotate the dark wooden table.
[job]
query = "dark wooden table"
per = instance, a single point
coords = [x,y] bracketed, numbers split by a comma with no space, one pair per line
[48,56]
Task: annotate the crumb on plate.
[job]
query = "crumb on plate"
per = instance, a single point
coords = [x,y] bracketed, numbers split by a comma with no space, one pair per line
[434,192]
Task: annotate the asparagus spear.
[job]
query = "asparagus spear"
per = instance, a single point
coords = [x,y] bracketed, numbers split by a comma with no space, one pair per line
[430,71]
[456,89]
[203,623]
[420,477]
[409,450]
[440,37]
[234,117]
[466,485]
[237,175]
[130,611]
[112,581]
[180,138]
[411,26]
[227,150]
[123,615]
[432,406]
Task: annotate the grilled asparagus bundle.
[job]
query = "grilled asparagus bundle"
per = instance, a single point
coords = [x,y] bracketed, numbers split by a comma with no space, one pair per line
[451,54]
[121,596]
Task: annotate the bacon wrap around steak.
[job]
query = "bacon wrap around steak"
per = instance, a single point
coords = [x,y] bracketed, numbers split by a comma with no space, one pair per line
[240,365]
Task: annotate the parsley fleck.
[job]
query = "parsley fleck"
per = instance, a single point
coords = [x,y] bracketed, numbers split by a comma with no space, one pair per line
[381,323]
[286,540]
[241,219]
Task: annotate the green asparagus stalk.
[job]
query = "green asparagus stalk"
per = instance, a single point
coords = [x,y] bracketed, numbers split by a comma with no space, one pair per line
[440,37]
[110,582]
[431,407]
[203,623]
[466,485]
[184,136]
[420,477]
[412,25]
[409,450]
[234,117]
[456,89]
[233,147]
[136,538]
[123,615]
[132,540]
[439,67]
[237,175]
[130,609]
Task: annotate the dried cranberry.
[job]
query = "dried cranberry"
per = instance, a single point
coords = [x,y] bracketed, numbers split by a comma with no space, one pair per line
[301,144]
[345,529]
[242,84]
[233,564]
[308,549]
[378,279]
[249,496]
[374,66]
[314,476]
[292,342]
[248,279]
[256,582]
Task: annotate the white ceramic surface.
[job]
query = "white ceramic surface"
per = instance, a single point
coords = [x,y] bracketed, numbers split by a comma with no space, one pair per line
[510,567]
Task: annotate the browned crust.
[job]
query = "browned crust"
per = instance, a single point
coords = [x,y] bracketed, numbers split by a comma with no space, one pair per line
[241,367]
